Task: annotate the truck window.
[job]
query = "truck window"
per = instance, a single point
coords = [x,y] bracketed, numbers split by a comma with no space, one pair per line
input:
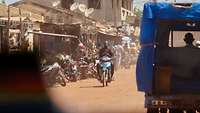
[176,38]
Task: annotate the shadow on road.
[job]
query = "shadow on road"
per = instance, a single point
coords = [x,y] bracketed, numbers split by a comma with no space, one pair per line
[91,87]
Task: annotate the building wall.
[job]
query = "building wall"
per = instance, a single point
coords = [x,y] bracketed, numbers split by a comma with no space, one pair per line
[108,10]
[98,14]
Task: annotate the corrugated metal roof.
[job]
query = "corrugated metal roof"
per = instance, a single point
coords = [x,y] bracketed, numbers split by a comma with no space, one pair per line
[43,2]
[14,13]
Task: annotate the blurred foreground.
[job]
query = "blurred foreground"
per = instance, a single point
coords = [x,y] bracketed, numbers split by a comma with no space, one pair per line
[87,96]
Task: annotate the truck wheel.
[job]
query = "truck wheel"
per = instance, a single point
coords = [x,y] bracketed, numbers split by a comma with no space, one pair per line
[163,110]
[198,109]
[180,111]
[191,111]
[176,111]
[152,110]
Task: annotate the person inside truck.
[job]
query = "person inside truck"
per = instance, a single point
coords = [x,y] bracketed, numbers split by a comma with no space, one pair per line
[189,39]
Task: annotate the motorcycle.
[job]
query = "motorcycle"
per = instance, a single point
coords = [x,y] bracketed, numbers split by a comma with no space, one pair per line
[83,68]
[105,70]
[92,72]
[53,74]
[72,72]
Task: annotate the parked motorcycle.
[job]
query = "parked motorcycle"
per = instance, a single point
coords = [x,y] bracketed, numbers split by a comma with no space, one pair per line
[71,72]
[105,70]
[92,72]
[53,74]
[83,68]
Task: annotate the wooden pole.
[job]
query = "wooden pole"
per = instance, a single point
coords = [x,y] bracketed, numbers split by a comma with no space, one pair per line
[8,20]
[6,43]
[172,38]
[21,27]
[115,7]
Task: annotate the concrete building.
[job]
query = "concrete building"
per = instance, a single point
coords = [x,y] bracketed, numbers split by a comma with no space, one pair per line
[18,25]
[117,13]
[107,15]
[114,12]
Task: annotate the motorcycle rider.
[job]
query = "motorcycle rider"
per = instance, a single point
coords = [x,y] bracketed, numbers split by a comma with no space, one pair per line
[102,52]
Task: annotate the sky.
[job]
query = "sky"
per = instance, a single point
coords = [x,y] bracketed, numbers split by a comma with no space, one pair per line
[10,1]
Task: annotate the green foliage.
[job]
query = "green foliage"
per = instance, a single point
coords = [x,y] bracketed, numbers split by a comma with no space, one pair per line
[137,12]
[2,2]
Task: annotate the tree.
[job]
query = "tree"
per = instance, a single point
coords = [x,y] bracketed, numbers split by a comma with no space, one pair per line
[137,12]
[2,2]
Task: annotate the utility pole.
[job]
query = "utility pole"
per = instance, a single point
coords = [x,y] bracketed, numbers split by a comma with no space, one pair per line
[5,45]
[115,7]
[21,27]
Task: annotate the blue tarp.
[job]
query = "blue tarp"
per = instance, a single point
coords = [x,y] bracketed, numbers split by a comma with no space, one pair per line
[151,13]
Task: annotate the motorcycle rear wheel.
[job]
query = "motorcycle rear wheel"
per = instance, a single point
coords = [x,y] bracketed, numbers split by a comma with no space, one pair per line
[106,83]
[104,79]
[108,77]
[61,81]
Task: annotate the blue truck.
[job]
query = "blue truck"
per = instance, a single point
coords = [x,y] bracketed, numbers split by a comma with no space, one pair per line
[168,71]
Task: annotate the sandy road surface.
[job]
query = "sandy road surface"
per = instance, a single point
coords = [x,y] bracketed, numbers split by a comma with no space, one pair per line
[87,96]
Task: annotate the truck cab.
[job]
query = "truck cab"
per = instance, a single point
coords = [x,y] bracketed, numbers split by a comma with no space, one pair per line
[168,71]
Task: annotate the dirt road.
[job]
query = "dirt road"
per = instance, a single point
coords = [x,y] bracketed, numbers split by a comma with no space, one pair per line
[87,96]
